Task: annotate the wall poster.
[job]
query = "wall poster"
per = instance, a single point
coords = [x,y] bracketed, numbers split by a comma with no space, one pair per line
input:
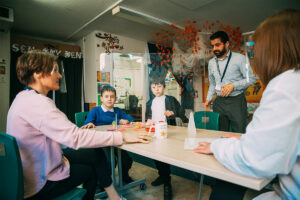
[103,77]
[100,86]
[253,93]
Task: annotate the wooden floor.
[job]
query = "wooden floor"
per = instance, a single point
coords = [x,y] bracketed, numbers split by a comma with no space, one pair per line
[183,189]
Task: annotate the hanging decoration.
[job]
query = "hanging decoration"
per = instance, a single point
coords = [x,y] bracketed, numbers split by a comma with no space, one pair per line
[190,49]
[110,42]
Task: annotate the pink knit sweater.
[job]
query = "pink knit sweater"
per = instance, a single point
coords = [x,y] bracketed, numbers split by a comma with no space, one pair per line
[40,128]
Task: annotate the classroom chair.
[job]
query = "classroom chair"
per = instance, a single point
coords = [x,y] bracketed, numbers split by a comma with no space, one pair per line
[80,118]
[11,173]
[207,120]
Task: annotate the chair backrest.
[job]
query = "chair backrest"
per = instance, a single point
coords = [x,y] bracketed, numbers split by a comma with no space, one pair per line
[80,118]
[133,102]
[11,172]
[207,120]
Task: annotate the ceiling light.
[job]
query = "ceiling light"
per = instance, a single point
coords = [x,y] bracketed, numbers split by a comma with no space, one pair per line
[142,18]
[192,4]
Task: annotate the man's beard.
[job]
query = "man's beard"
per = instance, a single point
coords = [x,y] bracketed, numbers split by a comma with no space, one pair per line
[220,53]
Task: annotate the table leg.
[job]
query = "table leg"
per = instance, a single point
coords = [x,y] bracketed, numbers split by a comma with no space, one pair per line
[113,174]
[201,186]
[112,163]
[120,168]
[121,189]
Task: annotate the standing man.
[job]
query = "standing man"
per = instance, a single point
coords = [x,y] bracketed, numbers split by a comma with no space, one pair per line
[229,75]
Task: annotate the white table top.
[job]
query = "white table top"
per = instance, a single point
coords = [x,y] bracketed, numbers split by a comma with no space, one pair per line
[171,151]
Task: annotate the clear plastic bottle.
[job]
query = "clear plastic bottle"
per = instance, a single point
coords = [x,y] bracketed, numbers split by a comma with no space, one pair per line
[250,49]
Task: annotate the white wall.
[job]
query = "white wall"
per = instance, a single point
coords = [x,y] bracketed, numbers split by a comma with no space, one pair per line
[132,70]
[91,55]
[198,101]
[4,83]
[88,49]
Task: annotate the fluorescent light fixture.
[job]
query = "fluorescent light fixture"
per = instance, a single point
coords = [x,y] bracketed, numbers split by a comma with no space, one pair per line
[141,18]
[192,4]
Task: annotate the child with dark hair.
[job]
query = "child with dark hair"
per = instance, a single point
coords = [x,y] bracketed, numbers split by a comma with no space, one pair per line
[105,115]
[163,108]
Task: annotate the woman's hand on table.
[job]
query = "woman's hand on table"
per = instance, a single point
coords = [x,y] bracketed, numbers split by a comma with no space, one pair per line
[203,147]
[230,135]
[89,125]
[136,138]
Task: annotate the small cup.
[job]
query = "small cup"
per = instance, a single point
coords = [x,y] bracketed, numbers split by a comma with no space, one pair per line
[161,130]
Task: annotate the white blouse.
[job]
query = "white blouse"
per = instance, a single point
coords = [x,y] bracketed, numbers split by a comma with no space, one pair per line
[271,145]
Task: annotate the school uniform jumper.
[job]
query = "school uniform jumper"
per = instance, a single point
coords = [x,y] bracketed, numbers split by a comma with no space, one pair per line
[100,116]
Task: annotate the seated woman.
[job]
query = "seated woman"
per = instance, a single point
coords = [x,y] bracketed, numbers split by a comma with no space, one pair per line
[271,145]
[40,128]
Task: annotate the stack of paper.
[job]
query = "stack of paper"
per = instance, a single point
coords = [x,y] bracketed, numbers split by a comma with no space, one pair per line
[191,125]
[192,143]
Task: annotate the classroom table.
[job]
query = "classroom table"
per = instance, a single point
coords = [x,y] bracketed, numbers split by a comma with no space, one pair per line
[171,151]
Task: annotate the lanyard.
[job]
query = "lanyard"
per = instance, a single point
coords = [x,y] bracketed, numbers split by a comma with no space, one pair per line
[225,67]
[29,88]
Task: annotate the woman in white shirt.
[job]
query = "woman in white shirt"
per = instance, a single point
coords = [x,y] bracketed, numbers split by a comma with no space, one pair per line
[271,145]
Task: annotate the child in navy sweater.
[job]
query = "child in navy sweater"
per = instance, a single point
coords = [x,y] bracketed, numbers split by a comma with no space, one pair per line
[105,115]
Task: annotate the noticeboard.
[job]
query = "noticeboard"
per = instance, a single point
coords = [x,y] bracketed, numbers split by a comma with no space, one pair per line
[253,93]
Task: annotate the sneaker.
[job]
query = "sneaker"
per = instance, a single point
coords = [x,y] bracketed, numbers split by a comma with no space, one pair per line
[123,198]
[168,194]
[158,181]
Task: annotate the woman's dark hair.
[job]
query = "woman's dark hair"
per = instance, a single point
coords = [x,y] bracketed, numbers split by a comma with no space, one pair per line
[277,45]
[108,88]
[220,34]
[34,61]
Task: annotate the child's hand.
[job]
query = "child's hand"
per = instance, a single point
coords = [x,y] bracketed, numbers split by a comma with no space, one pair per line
[204,148]
[123,121]
[89,125]
[169,113]
[136,137]
[149,122]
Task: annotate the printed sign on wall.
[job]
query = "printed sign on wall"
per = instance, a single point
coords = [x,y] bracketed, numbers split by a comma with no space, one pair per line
[253,93]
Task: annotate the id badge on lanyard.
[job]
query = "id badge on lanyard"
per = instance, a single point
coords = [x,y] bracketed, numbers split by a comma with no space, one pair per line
[218,87]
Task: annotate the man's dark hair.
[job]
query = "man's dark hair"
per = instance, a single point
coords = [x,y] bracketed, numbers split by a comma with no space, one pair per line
[157,80]
[220,34]
[108,88]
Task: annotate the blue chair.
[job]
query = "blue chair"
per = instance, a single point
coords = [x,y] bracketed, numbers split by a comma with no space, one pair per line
[80,118]
[11,173]
[207,120]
